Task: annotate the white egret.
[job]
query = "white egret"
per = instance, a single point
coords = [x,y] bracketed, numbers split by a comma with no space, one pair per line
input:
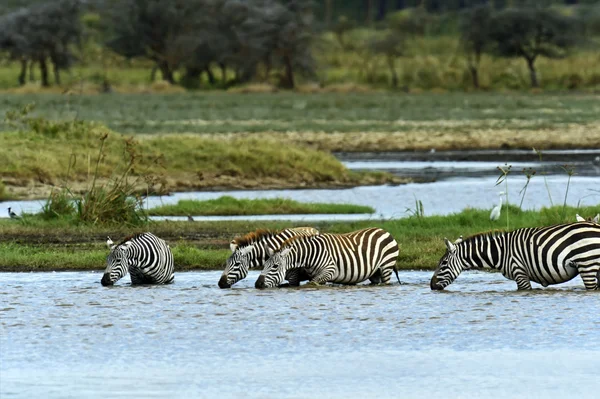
[495,214]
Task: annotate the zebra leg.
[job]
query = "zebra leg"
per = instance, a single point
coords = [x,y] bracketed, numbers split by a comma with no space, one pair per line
[523,282]
[590,277]
[323,276]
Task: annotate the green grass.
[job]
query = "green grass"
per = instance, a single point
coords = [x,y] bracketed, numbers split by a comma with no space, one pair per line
[17,257]
[324,112]
[231,206]
[24,247]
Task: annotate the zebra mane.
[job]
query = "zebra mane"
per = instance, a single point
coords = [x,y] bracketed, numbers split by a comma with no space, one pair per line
[253,237]
[485,234]
[128,238]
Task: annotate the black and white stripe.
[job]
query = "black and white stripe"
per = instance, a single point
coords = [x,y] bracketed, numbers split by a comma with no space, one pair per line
[545,255]
[250,251]
[338,258]
[147,258]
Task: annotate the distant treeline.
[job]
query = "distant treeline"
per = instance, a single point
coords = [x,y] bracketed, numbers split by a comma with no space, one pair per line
[234,41]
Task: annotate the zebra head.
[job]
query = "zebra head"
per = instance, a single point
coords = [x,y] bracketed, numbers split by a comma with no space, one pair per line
[449,267]
[116,263]
[275,268]
[237,265]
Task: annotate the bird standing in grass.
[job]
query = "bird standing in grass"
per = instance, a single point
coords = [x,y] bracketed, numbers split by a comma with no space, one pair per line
[190,218]
[12,214]
[495,214]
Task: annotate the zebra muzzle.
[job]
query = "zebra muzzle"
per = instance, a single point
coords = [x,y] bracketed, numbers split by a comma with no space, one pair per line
[434,283]
[260,283]
[223,282]
[106,280]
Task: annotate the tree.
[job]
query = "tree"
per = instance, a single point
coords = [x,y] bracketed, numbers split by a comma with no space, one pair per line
[531,33]
[475,38]
[154,29]
[42,32]
[391,47]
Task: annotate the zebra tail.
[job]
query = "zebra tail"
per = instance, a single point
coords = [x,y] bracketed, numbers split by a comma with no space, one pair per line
[398,277]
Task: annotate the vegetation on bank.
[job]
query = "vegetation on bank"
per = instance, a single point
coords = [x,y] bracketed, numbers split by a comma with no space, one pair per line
[227,205]
[72,156]
[36,245]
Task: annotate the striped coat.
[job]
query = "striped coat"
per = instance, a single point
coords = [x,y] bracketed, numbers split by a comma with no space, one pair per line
[147,258]
[338,258]
[544,255]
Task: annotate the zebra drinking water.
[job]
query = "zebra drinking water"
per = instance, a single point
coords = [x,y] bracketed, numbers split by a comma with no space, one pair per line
[545,255]
[250,251]
[147,258]
[339,258]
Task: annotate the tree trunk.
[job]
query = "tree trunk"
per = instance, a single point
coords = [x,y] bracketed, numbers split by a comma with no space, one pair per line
[400,5]
[32,71]
[532,72]
[288,82]
[211,76]
[23,74]
[474,75]
[223,72]
[167,73]
[44,71]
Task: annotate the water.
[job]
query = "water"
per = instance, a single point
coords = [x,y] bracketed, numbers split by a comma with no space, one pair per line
[438,198]
[64,335]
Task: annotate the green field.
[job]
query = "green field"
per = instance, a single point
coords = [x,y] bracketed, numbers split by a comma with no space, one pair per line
[217,112]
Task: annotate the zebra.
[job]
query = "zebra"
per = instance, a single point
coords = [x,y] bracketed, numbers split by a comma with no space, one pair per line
[545,255]
[338,258]
[147,258]
[249,251]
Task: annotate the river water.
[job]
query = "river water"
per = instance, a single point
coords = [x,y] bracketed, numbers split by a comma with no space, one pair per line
[63,335]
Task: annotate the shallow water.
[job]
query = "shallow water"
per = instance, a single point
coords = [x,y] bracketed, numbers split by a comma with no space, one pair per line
[64,335]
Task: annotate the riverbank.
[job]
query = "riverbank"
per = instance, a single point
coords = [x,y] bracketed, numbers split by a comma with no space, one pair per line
[36,245]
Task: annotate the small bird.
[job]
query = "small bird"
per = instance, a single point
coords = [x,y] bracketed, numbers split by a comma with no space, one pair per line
[12,214]
[190,218]
[495,214]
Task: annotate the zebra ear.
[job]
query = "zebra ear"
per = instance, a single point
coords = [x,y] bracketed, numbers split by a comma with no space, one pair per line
[449,245]
[596,219]
[109,243]
[233,246]
[579,218]
[459,240]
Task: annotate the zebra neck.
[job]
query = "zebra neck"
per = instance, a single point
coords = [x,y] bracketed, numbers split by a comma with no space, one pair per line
[485,251]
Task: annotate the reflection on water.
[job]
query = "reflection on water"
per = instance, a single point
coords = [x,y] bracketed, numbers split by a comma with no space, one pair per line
[63,334]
